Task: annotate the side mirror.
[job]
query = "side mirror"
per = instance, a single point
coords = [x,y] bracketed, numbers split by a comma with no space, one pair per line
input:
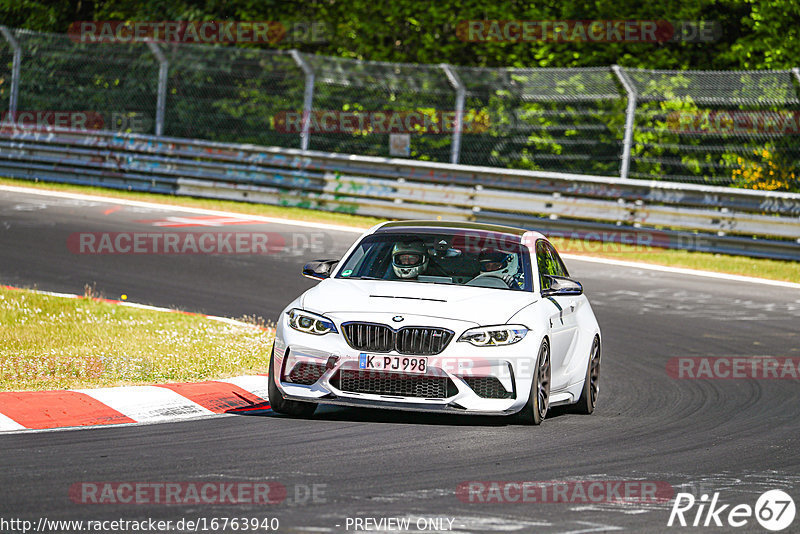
[560,286]
[319,269]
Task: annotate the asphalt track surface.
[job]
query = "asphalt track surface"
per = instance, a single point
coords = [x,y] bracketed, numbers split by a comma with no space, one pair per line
[736,437]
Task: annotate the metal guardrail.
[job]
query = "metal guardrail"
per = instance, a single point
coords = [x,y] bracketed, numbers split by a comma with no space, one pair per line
[688,216]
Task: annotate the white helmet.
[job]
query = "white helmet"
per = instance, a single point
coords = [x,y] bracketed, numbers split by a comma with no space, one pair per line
[409,260]
[498,263]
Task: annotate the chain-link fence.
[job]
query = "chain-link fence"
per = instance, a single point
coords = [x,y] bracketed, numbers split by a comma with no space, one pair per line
[567,120]
[101,87]
[723,128]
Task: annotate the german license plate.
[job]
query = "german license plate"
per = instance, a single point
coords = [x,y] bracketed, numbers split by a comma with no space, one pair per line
[399,364]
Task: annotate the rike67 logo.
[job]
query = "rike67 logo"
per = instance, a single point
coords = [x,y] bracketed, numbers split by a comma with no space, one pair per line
[774,510]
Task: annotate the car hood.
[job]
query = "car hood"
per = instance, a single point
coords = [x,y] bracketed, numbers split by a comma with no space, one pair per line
[482,306]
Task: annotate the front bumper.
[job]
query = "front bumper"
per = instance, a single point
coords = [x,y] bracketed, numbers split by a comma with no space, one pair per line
[462,379]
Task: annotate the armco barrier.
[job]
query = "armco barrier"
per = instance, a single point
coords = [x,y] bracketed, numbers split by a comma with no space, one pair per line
[708,218]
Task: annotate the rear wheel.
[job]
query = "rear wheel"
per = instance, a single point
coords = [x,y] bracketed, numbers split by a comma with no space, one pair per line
[535,409]
[284,406]
[591,384]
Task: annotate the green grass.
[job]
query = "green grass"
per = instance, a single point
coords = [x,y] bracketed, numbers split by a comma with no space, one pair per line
[773,269]
[49,342]
[787,271]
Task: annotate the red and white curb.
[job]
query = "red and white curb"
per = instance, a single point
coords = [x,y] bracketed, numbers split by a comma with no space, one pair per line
[42,410]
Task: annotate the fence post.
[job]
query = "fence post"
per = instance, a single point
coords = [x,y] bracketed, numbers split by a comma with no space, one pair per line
[458,85]
[163,71]
[308,97]
[796,72]
[629,116]
[15,70]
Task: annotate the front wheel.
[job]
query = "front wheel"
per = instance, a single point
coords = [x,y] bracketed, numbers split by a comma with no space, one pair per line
[591,383]
[539,400]
[284,406]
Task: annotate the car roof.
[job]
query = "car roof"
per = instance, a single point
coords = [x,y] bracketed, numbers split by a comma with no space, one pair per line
[528,237]
[458,225]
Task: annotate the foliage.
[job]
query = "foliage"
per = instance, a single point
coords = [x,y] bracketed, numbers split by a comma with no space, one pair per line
[753,34]
[235,93]
[766,171]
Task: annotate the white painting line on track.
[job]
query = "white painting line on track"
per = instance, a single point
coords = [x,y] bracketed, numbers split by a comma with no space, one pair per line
[683,271]
[201,417]
[591,527]
[185,209]
[225,320]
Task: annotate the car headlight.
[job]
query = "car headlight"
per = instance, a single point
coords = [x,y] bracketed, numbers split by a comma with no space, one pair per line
[492,336]
[310,323]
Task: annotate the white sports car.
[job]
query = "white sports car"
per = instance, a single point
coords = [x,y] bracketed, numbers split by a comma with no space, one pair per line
[443,317]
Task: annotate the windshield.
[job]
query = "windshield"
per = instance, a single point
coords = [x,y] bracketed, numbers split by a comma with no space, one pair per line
[469,258]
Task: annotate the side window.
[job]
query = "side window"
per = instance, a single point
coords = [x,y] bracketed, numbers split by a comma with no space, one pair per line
[355,262]
[549,262]
[557,262]
[544,261]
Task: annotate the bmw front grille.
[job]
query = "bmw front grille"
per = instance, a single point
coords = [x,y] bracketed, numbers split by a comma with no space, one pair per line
[373,337]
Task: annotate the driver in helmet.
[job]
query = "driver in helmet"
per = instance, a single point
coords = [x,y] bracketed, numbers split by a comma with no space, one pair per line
[409,260]
[499,264]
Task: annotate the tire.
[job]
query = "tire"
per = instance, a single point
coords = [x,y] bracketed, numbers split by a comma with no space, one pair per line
[538,403]
[591,383]
[284,406]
